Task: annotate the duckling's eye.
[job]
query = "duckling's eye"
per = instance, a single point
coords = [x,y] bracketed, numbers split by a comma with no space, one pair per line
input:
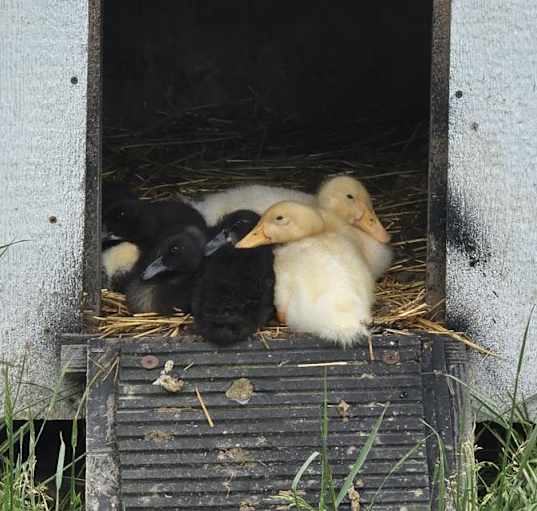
[279,218]
[349,196]
[174,249]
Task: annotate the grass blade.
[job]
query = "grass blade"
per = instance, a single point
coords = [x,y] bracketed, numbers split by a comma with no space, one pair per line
[360,460]
[530,450]
[299,474]
[440,471]
[9,460]
[515,390]
[5,247]
[72,482]
[59,471]
[302,469]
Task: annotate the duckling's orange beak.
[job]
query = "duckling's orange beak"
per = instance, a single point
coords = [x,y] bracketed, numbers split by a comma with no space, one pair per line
[368,221]
[255,238]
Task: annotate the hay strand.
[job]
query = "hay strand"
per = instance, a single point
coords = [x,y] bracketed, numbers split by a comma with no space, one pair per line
[208,149]
[204,408]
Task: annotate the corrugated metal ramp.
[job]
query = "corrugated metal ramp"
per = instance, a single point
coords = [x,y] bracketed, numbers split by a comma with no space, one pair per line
[167,456]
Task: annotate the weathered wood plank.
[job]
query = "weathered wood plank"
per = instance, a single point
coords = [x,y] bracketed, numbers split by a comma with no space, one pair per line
[131,370]
[102,467]
[266,357]
[438,154]
[252,426]
[259,504]
[271,385]
[258,469]
[216,500]
[266,399]
[92,206]
[292,456]
[363,411]
[258,485]
[288,343]
[74,358]
[43,78]
[73,354]
[492,186]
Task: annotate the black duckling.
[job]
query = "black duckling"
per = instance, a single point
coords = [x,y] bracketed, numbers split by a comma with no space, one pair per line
[164,279]
[235,294]
[132,228]
[112,192]
[122,241]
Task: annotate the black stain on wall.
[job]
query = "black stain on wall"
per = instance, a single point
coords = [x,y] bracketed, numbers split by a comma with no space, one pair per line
[465,235]
[458,322]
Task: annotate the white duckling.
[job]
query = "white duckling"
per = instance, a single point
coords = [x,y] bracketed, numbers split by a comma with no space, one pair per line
[257,198]
[323,284]
[347,198]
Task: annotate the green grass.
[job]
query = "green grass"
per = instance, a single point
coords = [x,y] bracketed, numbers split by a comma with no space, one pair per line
[510,484]
[5,247]
[19,488]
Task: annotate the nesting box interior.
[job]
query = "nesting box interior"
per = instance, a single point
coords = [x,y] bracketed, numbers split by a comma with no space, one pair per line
[202,96]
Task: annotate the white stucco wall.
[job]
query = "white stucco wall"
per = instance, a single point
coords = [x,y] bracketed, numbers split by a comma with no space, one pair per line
[42,174]
[492,185]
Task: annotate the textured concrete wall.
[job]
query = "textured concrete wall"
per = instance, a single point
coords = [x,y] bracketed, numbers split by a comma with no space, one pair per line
[43,68]
[492,184]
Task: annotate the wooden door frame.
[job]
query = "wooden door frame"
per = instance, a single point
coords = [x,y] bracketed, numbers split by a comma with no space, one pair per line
[94,122]
[438,152]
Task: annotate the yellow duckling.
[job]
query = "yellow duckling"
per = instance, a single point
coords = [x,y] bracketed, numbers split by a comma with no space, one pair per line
[323,284]
[347,198]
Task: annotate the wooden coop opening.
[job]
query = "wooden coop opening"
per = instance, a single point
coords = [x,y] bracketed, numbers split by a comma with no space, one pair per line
[202,96]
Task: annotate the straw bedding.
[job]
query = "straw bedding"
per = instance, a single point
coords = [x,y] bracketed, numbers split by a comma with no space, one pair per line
[194,153]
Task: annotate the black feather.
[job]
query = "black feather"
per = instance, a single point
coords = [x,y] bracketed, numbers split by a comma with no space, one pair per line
[235,294]
[144,224]
[165,277]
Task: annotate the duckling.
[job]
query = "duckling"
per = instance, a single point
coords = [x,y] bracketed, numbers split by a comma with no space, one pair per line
[347,198]
[257,198]
[118,260]
[121,242]
[111,192]
[132,228]
[165,278]
[323,284]
[234,297]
